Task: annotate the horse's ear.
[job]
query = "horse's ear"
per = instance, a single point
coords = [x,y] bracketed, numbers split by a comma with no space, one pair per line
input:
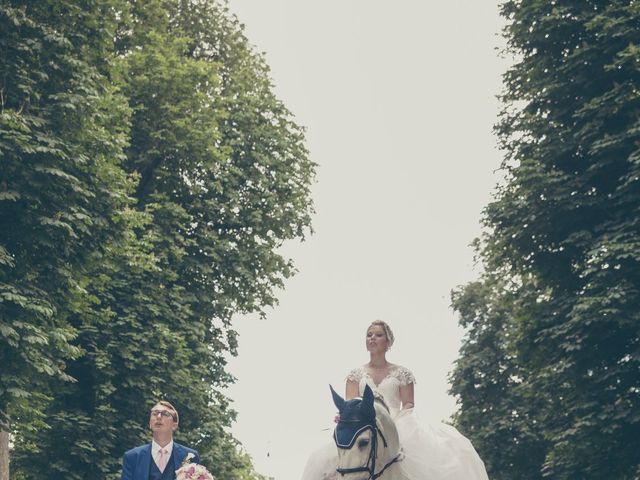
[337,399]
[367,397]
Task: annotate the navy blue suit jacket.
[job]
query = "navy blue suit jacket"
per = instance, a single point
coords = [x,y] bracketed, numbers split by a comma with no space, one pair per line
[137,461]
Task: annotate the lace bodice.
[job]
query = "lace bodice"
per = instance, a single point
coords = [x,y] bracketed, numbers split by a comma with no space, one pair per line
[389,386]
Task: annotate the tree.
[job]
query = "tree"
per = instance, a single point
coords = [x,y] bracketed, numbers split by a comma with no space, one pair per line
[222,179]
[62,133]
[566,221]
[496,408]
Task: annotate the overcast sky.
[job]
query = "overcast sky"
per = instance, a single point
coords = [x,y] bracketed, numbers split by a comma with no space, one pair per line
[398,99]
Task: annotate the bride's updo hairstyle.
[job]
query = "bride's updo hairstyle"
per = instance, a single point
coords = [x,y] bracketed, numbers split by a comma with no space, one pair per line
[386,328]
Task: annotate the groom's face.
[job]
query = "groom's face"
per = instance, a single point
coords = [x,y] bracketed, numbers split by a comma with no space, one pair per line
[162,419]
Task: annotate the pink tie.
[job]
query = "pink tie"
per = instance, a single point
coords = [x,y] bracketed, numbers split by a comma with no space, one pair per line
[162,459]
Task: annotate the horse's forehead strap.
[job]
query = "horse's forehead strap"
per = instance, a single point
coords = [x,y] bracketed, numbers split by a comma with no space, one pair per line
[357,417]
[356,410]
[346,433]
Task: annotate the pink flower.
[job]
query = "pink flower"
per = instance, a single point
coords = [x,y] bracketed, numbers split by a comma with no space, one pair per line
[193,471]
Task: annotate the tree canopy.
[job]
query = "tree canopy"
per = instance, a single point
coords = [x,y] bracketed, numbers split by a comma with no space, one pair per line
[548,378]
[149,176]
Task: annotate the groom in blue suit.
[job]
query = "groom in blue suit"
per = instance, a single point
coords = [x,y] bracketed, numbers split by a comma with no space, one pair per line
[159,459]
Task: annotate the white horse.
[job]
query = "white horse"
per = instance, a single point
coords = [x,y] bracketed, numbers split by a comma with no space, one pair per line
[367,439]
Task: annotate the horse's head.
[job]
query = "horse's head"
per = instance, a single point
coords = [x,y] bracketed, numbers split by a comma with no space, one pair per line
[366,437]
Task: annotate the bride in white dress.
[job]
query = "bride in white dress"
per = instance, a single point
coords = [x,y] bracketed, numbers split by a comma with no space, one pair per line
[431,452]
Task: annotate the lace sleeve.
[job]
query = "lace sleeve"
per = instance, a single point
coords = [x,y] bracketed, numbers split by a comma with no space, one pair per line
[355,375]
[405,376]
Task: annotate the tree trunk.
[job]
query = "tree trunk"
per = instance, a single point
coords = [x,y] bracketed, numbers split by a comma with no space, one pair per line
[4,455]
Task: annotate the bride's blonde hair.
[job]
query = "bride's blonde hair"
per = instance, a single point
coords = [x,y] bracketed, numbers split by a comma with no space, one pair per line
[386,328]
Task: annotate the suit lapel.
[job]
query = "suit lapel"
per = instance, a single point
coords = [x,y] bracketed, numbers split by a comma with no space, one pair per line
[143,466]
[179,453]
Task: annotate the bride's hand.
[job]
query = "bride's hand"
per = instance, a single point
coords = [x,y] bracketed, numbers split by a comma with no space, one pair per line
[352,390]
[406,396]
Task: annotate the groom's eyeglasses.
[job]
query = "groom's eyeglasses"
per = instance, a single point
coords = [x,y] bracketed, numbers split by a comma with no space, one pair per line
[164,413]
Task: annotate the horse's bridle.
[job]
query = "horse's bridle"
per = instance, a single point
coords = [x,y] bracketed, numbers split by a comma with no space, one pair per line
[370,466]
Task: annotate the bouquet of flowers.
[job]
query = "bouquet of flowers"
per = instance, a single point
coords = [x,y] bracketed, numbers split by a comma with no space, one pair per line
[192,471]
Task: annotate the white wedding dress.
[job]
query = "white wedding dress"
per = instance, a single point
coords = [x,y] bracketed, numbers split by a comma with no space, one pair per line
[431,452]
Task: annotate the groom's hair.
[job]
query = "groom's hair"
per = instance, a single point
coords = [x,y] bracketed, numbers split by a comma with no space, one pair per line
[164,403]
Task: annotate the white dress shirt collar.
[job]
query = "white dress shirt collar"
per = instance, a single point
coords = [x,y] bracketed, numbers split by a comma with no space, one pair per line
[155,450]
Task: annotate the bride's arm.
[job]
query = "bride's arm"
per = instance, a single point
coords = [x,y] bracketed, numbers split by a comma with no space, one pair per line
[406,396]
[352,390]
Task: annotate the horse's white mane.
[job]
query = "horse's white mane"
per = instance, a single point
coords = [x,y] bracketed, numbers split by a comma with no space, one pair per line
[377,397]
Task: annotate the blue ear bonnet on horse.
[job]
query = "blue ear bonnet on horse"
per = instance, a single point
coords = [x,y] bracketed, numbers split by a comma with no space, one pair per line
[356,416]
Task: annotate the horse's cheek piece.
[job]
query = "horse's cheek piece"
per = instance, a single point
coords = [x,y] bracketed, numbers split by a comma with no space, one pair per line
[370,466]
[351,426]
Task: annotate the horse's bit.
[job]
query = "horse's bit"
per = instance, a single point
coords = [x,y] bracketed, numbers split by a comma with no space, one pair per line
[370,466]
